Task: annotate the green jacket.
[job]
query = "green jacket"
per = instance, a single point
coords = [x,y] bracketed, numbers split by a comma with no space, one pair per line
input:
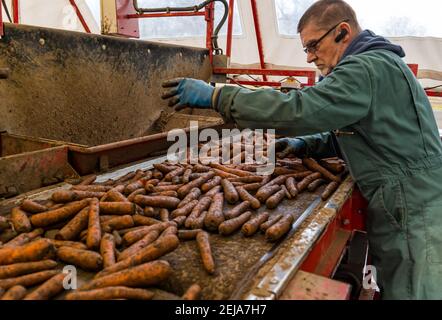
[390,140]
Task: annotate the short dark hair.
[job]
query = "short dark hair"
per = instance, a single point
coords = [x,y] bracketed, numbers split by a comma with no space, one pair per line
[326,13]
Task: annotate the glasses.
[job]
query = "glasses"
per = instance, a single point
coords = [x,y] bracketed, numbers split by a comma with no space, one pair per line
[312,46]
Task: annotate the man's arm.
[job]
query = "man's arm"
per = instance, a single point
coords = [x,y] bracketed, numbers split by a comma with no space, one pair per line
[319,145]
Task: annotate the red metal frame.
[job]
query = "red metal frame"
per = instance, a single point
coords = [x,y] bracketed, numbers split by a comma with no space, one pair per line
[258,36]
[79,15]
[230,28]
[15,11]
[1,24]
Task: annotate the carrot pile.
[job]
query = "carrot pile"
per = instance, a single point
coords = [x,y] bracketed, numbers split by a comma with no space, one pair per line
[121,228]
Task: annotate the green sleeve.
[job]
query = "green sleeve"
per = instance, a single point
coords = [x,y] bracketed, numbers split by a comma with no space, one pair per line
[319,145]
[342,98]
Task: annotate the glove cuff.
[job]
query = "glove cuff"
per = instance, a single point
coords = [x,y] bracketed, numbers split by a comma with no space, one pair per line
[215,98]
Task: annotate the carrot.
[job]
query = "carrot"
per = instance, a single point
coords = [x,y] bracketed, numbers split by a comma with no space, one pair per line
[28,280]
[239,173]
[188,234]
[48,289]
[149,238]
[164,215]
[117,208]
[69,196]
[275,199]
[252,186]
[279,171]
[266,192]
[170,193]
[115,195]
[201,168]
[111,293]
[140,174]
[223,174]
[180,220]
[192,293]
[157,201]
[195,176]
[270,221]
[288,195]
[107,250]
[291,186]
[172,229]
[215,214]
[18,269]
[213,191]
[158,248]
[163,188]
[280,228]
[134,236]
[202,240]
[147,274]
[71,230]
[174,173]
[186,176]
[88,180]
[85,259]
[184,190]
[54,216]
[307,180]
[24,238]
[141,191]
[215,181]
[198,222]
[278,181]
[20,220]
[314,166]
[237,210]
[164,168]
[230,226]
[245,196]
[34,251]
[144,221]
[252,226]
[117,223]
[7,235]
[315,185]
[14,293]
[331,187]
[117,238]
[135,185]
[33,207]
[230,193]
[184,210]
[72,244]
[93,188]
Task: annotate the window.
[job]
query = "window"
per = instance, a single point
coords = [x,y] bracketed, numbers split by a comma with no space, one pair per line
[177,27]
[392,18]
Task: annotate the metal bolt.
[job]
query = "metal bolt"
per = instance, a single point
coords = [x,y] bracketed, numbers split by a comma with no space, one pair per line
[103,47]
[148,51]
[346,222]
[42,41]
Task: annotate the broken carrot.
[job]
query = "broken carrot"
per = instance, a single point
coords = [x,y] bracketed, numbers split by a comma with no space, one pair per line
[20,220]
[252,226]
[192,293]
[230,226]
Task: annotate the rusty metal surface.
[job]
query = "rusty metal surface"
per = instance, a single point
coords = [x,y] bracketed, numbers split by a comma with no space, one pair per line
[32,170]
[11,144]
[84,88]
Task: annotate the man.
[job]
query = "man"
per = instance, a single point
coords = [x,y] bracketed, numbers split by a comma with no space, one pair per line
[382,123]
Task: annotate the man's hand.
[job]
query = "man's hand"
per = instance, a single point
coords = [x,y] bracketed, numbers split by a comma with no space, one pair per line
[187,92]
[285,146]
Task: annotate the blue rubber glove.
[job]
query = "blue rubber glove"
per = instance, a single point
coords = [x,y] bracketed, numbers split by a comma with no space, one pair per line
[187,92]
[285,146]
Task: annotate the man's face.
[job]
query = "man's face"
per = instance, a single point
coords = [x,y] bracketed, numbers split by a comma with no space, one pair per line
[326,53]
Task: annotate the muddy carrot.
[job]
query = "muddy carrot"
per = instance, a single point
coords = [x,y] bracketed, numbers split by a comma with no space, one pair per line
[7,235]
[270,222]
[275,199]
[252,226]
[307,180]
[215,214]
[164,168]
[54,216]
[48,289]
[164,215]
[24,238]
[186,176]
[198,222]
[88,180]
[19,269]
[141,191]
[111,293]
[144,221]
[215,181]
[279,171]
[94,228]
[107,250]
[203,243]
[288,195]
[169,230]
[71,230]
[117,238]
[192,293]
[180,220]
[237,210]
[239,173]
[266,192]
[201,168]
[149,238]
[117,223]
[135,186]
[280,228]
[290,183]
[331,187]
[245,196]
[157,201]
[34,251]
[117,208]
[184,190]
[149,211]
[314,166]
[252,186]
[315,184]
[85,259]
[20,220]
[134,236]
[213,191]
[158,248]
[230,193]
[188,234]
[14,293]
[93,188]
[69,196]
[115,196]
[230,226]
[33,207]
[28,280]
[185,210]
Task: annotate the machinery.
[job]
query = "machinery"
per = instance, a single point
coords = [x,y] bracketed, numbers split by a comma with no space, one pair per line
[77,104]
